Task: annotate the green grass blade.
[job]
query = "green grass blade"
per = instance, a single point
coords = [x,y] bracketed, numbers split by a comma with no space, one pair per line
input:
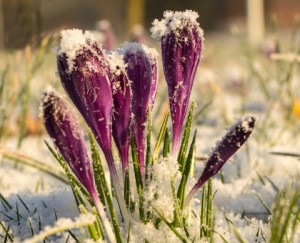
[5,202]
[138,179]
[170,225]
[160,137]
[235,231]
[186,172]
[7,234]
[167,143]
[185,138]
[72,179]
[97,165]
[149,160]
[263,203]
[26,160]
[203,212]
[93,233]
[209,210]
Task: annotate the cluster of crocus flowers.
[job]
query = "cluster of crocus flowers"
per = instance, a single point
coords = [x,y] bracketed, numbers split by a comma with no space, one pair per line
[181,46]
[114,92]
[64,129]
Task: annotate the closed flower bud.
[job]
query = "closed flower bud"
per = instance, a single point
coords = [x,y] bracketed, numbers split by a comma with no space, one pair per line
[64,129]
[121,118]
[236,136]
[85,74]
[142,73]
[181,45]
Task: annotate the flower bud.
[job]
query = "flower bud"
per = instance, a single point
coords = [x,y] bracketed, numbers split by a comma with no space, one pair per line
[121,118]
[236,136]
[142,73]
[64,129]
[181,45]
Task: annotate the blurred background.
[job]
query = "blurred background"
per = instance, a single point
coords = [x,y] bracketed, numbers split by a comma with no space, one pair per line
[243,38]
[21,21]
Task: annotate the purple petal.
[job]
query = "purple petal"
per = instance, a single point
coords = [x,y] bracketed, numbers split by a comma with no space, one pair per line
[121,108]
[64,129]
[140,73]
[84,74]
[181,44]
[236,136]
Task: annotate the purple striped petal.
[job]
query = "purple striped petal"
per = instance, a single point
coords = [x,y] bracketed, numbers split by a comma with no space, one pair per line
[236,136]
[181,44]
[139,71]
[64,129]
[85,74]
[121,107]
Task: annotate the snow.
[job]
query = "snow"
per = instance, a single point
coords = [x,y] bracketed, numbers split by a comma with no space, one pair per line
[173,22]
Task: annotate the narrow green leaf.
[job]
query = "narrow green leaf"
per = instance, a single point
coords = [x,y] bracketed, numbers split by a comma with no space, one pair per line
[209,211]
[97,223]
[101,175]
[170,225]
[160,137]
[72,179]
[138,179]
[263,203]
[167,143]
[185,138]
[73,236]
[5,202]
[203,212]
[149,159]
[186,172]
[91,227]
[7,234]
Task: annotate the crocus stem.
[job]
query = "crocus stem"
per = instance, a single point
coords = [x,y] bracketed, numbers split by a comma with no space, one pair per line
[117,186]
[176,144]
[104,219]
[192,193]
[124,159]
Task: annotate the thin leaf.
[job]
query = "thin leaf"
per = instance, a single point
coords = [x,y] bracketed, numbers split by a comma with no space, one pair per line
[185,138]
[160,137]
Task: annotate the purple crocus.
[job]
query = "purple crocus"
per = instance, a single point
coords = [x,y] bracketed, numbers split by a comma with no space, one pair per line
[142,72]
[108,36]
[84,72]
[64,129]
[121,118]
[236,136]
[181,45]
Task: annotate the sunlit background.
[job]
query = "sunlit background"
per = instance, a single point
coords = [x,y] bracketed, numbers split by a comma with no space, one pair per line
[21,21]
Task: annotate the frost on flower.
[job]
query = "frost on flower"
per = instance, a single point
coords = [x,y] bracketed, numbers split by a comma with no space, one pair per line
[142,72]
[181,45]
[64,129]
[235,137]
[121,117]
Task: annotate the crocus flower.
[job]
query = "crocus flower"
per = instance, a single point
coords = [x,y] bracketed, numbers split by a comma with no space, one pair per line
[181,45]
[64,129]
[143,75]
[236,136]
[84,72]
[108,40]
[121,118]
